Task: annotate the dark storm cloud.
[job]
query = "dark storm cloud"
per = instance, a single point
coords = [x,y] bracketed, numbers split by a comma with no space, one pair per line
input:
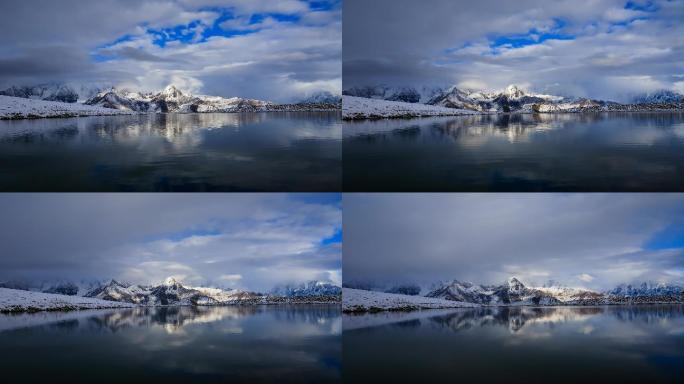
[283,57]
[603,48]
[592,240]
[43,63]
[252,241]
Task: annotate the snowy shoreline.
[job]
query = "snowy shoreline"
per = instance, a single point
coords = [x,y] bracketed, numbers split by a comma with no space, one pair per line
[17,301]
[358,301]
[360,108]
[15,108]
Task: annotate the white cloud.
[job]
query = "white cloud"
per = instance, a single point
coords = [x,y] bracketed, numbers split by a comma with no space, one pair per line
[251,241]
[597,240]
[278,60]
[587,278]
[593,51]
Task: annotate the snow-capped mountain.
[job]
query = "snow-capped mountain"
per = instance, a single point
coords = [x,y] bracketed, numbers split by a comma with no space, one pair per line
[311,288]
[399,93]
[513,99]
[321,98]
[173,292]
[661,96]
[124,292]
[169,292]
[172,99]
[48,92]
[514,292]
[646,289]
[63,92]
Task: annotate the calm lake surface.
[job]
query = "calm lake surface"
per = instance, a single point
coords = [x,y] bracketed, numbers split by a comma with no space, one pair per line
[641,344]
[288,344]
[528,152]
[296,151]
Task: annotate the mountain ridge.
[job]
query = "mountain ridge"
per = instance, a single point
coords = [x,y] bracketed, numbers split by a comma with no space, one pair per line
[172,292]
[513,99]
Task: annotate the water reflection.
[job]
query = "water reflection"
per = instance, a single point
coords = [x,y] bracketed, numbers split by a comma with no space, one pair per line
[516,318]
[528,152]
[519,344]
[246,151]
[298,343]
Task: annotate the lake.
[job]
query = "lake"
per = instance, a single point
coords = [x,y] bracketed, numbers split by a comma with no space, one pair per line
[295,151]
[251,344]
[642,344]
[517,152]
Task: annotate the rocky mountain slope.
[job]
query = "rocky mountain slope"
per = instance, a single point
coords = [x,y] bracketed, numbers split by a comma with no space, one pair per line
[661,96]
[513,99]
[66,93]
[172,99]
[514,292]
[311,288]
[401,93]
[173,292]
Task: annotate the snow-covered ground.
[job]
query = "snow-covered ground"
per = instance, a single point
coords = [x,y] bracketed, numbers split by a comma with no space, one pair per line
[14,300]
[357,300]
[362,108]
[20,108]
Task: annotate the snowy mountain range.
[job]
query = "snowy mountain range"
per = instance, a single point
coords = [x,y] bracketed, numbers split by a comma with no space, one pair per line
[511,99]
[173,292]
[66,93]
[661,96]
[311,288]
[170,99]
[515,292]
[401,93]
[321,98]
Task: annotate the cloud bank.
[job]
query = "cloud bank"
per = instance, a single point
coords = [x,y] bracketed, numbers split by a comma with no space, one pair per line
[608,49]
[250,241]
[278,51]
[587,240]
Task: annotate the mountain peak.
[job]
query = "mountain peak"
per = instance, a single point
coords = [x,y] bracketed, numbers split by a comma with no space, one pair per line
[170,281]
[514,92]
[515,285]
[172,91]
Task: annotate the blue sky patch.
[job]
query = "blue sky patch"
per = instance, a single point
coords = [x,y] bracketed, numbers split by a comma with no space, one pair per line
[648,6]
[532,37]
[334,239]
[670,237]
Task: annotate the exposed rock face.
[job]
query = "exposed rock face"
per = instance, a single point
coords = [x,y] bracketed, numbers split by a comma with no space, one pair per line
[514,99]
[514,292]
[172,99]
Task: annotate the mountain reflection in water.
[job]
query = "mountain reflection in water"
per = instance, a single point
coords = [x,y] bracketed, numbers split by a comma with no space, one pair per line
[286,343]
[518,344]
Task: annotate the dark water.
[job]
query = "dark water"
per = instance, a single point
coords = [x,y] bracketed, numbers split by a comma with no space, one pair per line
[174,152]
[288,344]
[640,344]
[551,152]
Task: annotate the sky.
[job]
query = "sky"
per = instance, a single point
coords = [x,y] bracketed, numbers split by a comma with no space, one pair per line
[606,49]
[594,241]
[248,241]
[273,50]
